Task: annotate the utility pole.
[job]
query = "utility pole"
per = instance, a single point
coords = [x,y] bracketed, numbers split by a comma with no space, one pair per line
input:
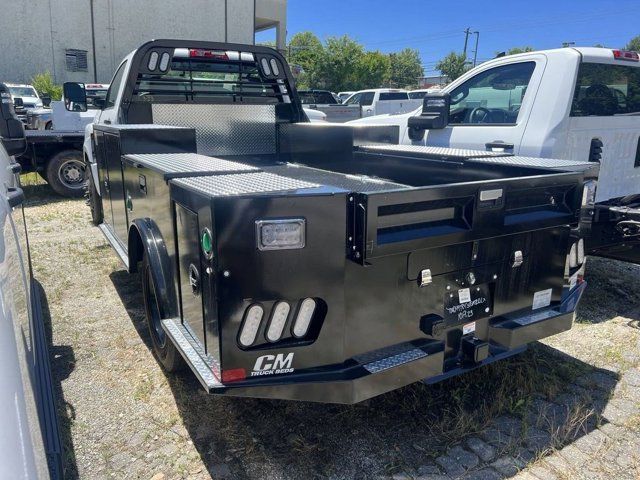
[475,51]
[467,32]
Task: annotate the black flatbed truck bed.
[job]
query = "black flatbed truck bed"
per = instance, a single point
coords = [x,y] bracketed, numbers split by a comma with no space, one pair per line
[318,262]
[57,156]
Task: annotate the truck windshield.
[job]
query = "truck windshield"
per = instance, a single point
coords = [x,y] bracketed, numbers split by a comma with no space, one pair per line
[604,90]
[307,97]
[202,78]
[23,91]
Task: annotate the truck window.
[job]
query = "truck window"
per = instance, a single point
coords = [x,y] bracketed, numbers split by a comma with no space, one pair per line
[604,90]
[307,97]
[353,99]
[491,97]
[393,96]
[367,98]
[114,88]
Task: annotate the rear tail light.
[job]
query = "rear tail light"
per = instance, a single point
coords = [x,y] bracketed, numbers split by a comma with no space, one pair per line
[202,53]
[251,325]
[278,321]
[303,319]
[626,55]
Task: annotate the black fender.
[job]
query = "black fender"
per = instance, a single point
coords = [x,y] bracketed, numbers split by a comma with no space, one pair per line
[145,237]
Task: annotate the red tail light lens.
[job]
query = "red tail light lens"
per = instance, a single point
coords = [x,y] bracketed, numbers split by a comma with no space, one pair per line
[233,375]
[201,53]
[626,55]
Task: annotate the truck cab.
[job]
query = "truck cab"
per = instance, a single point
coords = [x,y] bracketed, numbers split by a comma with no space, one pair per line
[380,101]
[568,103]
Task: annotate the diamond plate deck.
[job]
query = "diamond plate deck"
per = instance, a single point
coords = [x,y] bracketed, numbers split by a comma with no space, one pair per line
[395,360]
[243,184]
[206,369]
[224,129]
[173,165]
[432,152]
[533,162]
[352,183]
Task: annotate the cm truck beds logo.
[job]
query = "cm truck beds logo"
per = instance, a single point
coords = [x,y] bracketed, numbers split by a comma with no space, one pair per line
[273,364]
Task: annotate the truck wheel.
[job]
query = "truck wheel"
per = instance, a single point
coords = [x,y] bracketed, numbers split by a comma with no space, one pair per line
[65,173]
[164,349]
[48,126]
[94,201]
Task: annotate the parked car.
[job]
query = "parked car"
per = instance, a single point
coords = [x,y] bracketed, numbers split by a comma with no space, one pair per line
[284,259]
[324,101]
[59,118]
[30,444]
[381,101]
[28,93]
[570,103]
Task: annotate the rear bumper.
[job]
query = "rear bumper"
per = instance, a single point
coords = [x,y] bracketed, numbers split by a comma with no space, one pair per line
[379,372]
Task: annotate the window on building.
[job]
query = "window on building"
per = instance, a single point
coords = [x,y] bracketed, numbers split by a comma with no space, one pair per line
[76,60]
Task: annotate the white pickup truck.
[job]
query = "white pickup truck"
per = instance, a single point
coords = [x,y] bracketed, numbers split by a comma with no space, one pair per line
[568,103]
[380,101]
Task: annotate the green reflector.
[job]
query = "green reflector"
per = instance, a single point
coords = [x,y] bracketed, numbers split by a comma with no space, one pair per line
[207,241]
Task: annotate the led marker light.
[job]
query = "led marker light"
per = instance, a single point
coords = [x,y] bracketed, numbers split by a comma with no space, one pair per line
[303,319]
[278,321]
[251,324]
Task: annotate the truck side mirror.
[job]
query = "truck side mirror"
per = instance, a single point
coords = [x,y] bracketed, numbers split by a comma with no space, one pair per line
[11,128]
[75,97]
[435,115]
[46,101]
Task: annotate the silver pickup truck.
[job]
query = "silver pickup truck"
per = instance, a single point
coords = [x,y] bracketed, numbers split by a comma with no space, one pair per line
[325,102]
[30,445]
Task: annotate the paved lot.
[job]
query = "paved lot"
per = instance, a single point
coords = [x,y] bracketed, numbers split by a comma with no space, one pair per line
[568,408]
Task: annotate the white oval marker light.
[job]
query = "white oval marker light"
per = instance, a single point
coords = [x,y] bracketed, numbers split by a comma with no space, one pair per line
[251,325]
[278,321]
[303,320]
[153,60]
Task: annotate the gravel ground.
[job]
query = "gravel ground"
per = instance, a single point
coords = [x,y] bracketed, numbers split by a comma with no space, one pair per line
[567,408]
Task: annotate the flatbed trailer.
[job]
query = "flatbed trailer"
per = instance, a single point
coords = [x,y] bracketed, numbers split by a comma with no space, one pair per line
[290,260]
[57,156]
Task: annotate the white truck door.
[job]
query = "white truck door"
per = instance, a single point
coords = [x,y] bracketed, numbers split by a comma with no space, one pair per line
[489,111]
[368,102]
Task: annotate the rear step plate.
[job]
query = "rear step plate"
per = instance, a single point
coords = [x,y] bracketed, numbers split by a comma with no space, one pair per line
[204,367]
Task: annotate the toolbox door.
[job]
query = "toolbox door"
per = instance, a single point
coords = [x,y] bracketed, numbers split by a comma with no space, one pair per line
[116,187]
[389,223]
[190,272]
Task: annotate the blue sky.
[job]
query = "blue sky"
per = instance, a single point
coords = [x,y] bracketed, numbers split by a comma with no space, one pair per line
[436,28]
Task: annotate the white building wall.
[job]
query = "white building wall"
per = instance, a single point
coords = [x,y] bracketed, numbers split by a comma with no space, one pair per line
[35,33]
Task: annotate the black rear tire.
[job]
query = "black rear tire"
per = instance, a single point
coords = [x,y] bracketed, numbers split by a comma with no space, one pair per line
[164,349]
[66,173]
[94,200]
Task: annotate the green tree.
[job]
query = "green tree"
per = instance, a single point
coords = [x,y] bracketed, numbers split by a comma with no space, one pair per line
[305,51]
[339,64]
[453,65]
[634,44]
[372,70]
[406,68]
[45,86]
[516,50]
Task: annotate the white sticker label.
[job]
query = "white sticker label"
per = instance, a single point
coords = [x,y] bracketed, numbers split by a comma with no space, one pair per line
[464,295]
[541,299]
[469,328]
[573,281]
